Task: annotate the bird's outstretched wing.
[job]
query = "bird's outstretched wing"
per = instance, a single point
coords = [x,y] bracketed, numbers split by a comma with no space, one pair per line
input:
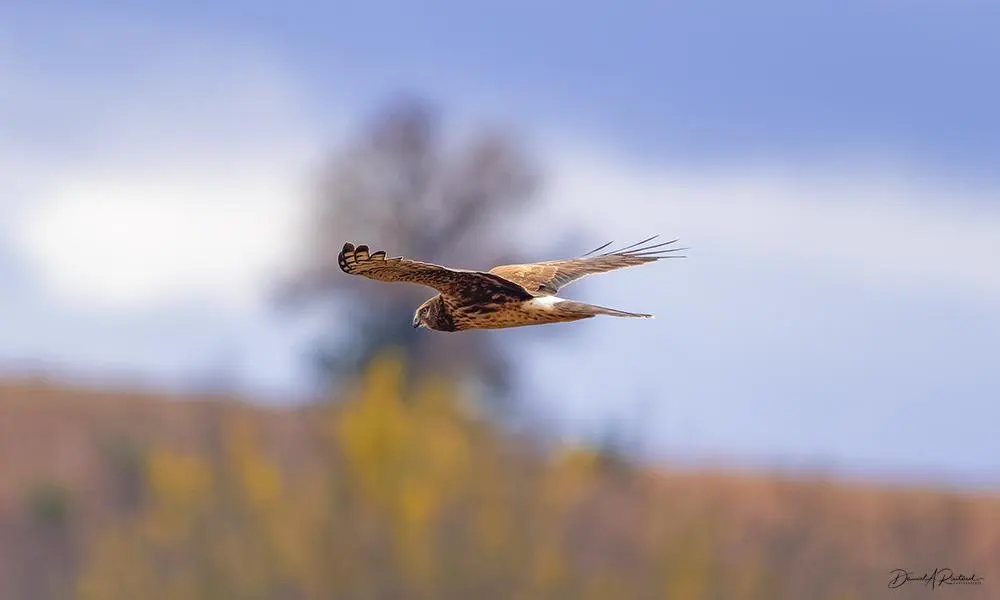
[460,286]
[547,277]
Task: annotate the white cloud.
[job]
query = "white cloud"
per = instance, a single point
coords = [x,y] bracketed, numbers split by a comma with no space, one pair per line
[891,228]
[131,242]
[184,179]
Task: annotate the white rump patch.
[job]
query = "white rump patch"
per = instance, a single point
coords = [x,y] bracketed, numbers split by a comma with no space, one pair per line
[546,302]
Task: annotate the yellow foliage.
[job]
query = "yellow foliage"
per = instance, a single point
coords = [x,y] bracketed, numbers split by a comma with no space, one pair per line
[372,431]
[408,496]
[180,486]
[180,480]
[259,477]
[130,577]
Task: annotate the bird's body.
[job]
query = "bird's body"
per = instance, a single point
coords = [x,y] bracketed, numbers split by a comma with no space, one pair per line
[505,296]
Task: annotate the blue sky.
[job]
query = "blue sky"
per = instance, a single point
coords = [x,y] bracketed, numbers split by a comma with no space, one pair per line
[831,165]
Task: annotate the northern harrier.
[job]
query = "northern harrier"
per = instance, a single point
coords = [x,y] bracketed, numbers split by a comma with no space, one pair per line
[504,296]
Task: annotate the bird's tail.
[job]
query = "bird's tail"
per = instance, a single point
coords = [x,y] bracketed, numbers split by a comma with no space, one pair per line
[584,310]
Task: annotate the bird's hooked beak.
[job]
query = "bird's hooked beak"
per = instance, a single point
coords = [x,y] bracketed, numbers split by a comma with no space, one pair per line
[416,321]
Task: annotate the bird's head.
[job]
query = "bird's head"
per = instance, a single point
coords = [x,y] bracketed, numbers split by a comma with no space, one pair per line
[433,314]
[420,317]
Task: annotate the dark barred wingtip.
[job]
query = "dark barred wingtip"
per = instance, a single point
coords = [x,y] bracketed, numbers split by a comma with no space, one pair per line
[346,258]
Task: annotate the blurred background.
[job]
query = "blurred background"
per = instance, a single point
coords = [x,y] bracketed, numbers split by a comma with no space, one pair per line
[195,403]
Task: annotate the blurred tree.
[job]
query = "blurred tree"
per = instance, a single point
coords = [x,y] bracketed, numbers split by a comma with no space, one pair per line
[397,186]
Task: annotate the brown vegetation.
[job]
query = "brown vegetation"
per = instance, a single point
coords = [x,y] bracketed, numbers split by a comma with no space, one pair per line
[391,493]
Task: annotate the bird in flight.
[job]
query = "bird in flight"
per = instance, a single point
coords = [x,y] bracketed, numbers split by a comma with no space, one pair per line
[504,296]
